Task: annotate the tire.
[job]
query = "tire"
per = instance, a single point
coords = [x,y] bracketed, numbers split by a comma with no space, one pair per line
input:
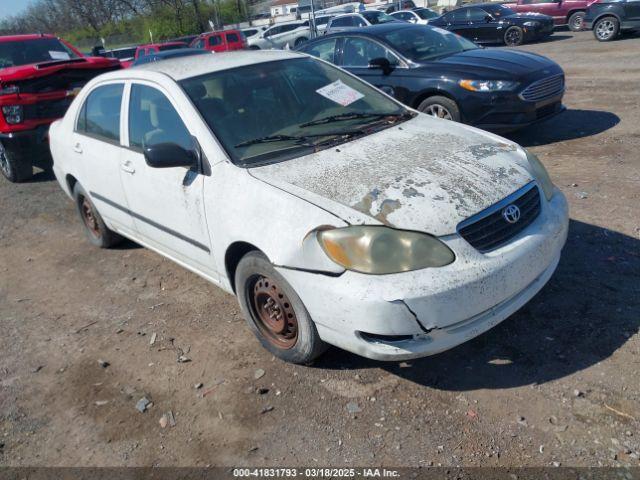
[514,36]
[94,227]
[300,41]
[14,167]
[575,21]
[260,288]
[254,47]
[606,29]
[440,107]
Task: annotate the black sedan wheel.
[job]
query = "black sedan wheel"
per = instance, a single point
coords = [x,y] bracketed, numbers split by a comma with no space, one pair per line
[606,29]
[575,21]
[513,37]
[440,107]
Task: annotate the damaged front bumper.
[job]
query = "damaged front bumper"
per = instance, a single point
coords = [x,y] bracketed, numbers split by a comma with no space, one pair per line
[424,312]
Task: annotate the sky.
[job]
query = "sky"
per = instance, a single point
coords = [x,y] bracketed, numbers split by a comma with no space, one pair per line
[12,7]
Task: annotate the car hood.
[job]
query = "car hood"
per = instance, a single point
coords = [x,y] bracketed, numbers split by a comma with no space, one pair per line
[425,174]
[45,69]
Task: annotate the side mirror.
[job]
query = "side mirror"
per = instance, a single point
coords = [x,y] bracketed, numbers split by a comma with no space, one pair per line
[169,155]
[383,64]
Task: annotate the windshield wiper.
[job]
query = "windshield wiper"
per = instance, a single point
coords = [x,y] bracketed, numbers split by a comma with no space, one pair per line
[348,116]
[272,138]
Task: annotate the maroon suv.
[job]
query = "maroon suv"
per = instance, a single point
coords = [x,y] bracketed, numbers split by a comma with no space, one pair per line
[39,77]
[564,12]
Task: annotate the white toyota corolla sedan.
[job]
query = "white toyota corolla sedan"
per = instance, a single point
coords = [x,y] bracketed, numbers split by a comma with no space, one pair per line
[334,213]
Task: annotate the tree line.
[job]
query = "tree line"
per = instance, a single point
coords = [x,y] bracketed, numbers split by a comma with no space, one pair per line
[79,20]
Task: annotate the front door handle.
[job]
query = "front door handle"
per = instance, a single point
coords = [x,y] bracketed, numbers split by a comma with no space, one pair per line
[77,148]
[128,167]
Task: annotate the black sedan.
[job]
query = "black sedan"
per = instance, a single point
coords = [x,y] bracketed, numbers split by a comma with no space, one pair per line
[445,75]
[494,23]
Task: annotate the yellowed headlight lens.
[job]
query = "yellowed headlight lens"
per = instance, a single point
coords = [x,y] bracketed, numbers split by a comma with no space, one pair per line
[541,175]
[381,250]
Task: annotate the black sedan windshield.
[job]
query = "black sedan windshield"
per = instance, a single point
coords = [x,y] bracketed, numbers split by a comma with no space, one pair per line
[498,11]
[424,44]
[40,50]
[278,110]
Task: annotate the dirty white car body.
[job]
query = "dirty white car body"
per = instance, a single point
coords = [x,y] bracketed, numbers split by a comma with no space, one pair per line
[421,175]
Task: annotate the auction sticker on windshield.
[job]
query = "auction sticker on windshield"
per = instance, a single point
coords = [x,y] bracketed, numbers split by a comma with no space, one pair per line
[340,93]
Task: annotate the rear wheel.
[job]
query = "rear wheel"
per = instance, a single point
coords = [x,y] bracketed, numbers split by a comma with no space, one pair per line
[440,107]
[575,21]
[513,37]
[13,167]
[96,230]
[606,29]
[274,312]
[300,41]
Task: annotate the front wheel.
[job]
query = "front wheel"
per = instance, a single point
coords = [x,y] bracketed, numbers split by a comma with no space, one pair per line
[274,312]
[575,21]
[606,29]
[440,107]
[513,37]
[14,167]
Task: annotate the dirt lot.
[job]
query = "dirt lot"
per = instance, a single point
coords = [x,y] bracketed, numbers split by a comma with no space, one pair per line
[557,383]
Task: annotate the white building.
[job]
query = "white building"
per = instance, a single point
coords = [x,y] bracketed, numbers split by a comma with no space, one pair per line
[283,7]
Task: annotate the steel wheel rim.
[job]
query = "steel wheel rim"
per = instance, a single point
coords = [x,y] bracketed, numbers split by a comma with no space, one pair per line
[577,22]
[605,29]
[513,37]
[272,312]
[4,161]
[438,111]
[89,218]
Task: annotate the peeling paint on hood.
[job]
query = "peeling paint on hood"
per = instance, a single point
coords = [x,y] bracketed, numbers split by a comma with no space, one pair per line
[425,174]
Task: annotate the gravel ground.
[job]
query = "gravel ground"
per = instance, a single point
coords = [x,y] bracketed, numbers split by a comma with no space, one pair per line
[556,384]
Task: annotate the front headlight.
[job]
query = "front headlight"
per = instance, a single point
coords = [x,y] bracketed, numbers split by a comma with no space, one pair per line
[381,250]
[541,175]
[488,85]
[531,24]
[13,114]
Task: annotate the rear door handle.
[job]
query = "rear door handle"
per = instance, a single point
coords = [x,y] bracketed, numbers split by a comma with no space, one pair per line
[128,167]
[77,148]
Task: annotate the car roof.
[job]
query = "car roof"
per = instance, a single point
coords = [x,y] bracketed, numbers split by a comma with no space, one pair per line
[30,36]
[378,29]
[196,65]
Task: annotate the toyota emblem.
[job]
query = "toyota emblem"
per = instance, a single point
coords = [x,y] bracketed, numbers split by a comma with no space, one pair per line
[511,214]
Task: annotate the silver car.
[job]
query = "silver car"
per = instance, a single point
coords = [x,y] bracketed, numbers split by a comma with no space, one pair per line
[281,35]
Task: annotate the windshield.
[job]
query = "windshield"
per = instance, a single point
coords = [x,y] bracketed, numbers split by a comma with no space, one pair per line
[425,13]
[498,11]
[424,43]
[40,50]
[275,111]
[374,17]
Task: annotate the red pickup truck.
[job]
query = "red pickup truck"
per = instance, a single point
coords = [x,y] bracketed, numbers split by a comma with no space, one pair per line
[564,12]
[39,77]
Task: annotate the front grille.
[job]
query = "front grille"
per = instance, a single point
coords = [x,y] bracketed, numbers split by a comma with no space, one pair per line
[543,89]
[47,109]
[489,229]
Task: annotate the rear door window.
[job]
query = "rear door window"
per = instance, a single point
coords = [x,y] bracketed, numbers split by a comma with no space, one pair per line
[232,38]
[100,114]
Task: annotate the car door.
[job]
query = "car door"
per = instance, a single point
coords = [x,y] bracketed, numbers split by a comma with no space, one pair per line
[632,13]
[166,203]
[553,8]
[356,55]
[482,27]
[96,145]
